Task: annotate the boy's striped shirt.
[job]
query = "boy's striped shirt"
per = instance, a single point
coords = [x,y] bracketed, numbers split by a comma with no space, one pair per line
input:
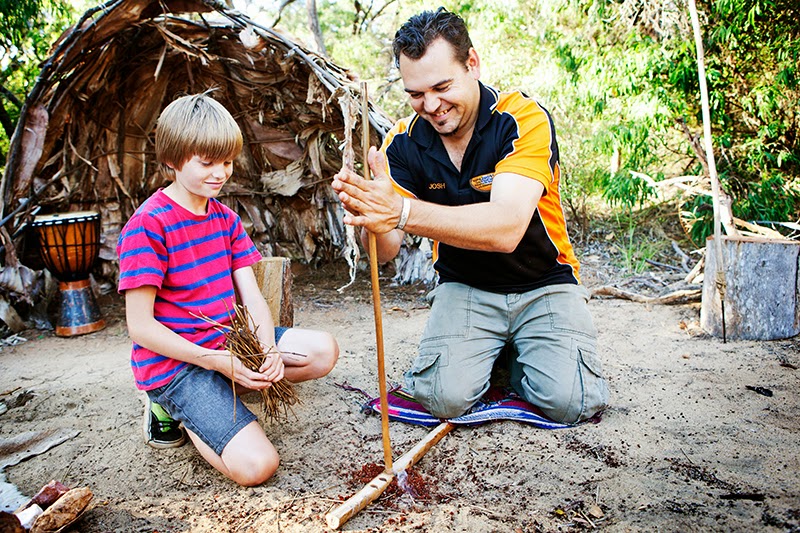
[190,259]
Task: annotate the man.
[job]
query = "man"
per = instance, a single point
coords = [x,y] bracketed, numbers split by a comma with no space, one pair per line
[477,171]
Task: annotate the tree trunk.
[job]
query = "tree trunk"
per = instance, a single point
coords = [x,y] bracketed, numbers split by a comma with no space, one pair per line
[274,277]
[762,293]
[313,25]
[6,122]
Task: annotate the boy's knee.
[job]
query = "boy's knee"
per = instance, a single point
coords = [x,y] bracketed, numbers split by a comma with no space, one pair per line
[326,356]
[332,353]
[256,470]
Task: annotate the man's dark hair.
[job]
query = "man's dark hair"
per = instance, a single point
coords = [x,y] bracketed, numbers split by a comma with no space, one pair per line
[413,37]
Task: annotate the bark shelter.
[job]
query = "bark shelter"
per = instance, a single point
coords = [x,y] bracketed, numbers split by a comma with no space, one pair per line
[85,139]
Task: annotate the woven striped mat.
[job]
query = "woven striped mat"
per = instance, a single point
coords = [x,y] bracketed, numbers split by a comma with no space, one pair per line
[496,404]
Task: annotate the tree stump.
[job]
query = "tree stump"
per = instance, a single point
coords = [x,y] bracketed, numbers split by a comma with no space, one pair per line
[274,277]
[763,289]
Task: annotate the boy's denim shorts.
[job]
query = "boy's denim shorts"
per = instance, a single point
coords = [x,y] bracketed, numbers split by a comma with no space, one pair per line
[203,401]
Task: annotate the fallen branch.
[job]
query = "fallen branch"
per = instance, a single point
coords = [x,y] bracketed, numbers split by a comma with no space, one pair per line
[665,265]
[696,271]
[683,256]
[673,298]
[759,230]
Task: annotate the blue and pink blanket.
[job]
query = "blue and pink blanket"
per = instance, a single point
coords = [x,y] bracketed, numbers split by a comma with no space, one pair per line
[496,404]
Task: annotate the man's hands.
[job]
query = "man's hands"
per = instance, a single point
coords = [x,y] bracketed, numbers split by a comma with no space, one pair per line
[372,204]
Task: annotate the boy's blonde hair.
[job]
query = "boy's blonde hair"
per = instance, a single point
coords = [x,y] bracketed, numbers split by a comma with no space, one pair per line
[195,124]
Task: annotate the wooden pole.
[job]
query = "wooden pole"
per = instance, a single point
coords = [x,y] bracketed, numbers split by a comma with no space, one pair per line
[712,167]
[376,293]
[336,518]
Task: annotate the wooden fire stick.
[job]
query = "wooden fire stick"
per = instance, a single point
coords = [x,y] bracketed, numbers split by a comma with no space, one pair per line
[375,488]
[336,518]
[376,292]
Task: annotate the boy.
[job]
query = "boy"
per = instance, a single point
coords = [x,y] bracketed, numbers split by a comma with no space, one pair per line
[184,256]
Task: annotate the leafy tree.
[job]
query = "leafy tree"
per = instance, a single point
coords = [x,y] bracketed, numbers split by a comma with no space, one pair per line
[752,56]
[629,96]
[27,30]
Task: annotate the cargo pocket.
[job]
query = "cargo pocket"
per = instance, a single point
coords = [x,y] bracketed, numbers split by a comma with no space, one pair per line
[422,379]
[595,388]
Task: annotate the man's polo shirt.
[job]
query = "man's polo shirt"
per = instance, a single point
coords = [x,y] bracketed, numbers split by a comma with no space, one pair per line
[514,134]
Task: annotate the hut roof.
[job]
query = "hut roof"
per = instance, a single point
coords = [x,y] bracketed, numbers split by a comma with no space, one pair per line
[85,135]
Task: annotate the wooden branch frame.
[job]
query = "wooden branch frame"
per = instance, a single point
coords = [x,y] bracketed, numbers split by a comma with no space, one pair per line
[337,517]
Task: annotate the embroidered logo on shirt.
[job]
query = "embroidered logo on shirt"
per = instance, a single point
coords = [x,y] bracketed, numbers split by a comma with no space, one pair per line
[437,186]
[482,183]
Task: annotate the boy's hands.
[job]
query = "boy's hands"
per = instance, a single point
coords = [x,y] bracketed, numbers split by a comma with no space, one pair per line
[273,365]
[271,371]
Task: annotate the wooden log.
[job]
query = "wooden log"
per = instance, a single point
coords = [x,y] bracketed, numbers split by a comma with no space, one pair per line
[762,295]
[696,272]
[336,518]
[274,277]
[369,493]
[412,456]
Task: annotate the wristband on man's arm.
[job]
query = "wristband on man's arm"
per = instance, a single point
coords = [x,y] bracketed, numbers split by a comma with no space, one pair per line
[404,213]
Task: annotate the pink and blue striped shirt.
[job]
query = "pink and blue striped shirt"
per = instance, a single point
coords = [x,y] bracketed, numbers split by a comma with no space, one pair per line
[190,259]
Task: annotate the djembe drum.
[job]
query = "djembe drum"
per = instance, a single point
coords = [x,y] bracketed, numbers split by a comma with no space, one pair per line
[69,244]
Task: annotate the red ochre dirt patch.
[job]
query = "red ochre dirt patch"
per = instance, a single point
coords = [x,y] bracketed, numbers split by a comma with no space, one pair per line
[414,484]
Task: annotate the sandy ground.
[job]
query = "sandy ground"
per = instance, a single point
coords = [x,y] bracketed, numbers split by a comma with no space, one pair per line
[685,445]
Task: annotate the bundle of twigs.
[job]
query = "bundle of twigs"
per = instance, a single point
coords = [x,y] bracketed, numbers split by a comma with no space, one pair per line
[241,339]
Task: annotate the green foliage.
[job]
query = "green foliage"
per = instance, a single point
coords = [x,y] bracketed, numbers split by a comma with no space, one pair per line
[631,235]
[27,30]
[632,68]
[14,20]
[698,214]
[752,54]
[770,199]
[635,253]
[626,190]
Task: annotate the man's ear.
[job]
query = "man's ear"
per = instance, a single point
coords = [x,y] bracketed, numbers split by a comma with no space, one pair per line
[474,64]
